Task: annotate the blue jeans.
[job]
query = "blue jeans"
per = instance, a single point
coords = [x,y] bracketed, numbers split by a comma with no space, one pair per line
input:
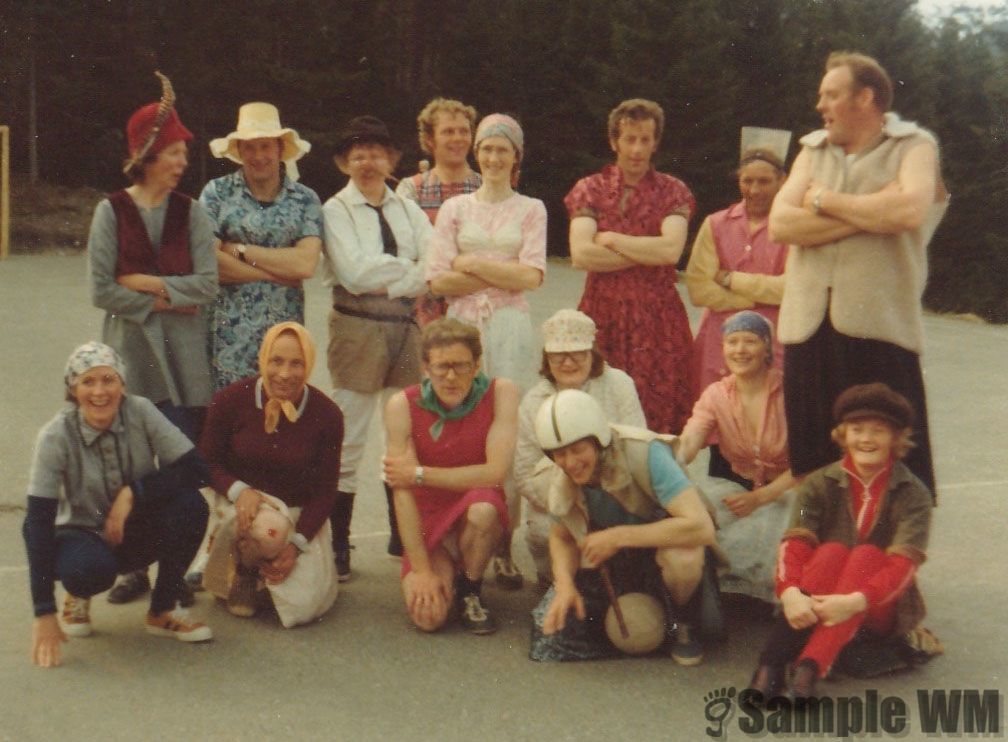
[168,532]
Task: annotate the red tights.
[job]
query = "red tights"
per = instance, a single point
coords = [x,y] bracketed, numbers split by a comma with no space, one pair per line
[835,569]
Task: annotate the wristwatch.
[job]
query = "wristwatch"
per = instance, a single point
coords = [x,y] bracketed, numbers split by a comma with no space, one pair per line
[240,250]
[418,476]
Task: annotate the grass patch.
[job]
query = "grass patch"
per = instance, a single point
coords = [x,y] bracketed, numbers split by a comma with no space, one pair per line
[46,216]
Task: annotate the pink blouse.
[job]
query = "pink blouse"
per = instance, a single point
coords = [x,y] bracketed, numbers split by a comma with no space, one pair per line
[512,230]
[718,419]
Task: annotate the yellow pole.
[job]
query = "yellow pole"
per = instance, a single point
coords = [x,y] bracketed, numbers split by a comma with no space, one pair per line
[4,191]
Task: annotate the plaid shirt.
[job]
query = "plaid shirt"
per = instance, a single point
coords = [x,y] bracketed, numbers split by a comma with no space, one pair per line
[430,193]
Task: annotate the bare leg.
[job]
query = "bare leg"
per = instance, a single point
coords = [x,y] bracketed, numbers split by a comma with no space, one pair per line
[681,571]
[478,537]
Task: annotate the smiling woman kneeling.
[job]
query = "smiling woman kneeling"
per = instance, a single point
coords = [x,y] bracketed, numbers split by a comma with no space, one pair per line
[113,487]
[270,438]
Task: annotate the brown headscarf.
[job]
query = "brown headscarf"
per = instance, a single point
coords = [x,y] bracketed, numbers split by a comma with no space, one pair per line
[273,406]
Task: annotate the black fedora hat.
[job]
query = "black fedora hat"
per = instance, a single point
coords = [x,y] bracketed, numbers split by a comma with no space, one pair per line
[363,130]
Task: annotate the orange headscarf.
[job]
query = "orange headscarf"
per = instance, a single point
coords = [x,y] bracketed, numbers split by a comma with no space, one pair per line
[273,406]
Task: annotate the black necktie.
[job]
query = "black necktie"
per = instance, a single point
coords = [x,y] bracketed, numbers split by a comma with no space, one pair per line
[387,238]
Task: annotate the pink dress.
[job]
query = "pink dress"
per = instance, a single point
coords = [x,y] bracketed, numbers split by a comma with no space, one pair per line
[462,443]
[737,250]
[509,231]
[642,323]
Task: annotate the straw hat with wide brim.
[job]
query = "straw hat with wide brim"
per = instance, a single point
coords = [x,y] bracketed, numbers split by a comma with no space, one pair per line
[260,121]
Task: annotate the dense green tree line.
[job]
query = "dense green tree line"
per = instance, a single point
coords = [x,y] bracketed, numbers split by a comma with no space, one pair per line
[559,66]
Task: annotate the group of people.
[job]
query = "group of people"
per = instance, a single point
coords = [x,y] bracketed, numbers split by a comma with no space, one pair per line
[810,339]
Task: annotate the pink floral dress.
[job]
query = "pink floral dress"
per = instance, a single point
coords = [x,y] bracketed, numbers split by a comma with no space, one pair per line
[642,323]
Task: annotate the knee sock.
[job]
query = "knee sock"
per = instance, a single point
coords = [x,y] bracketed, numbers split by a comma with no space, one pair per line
[393,523]
[341,515]
[465,586]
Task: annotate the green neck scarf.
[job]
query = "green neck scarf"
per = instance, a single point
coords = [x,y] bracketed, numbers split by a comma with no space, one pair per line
[429,401]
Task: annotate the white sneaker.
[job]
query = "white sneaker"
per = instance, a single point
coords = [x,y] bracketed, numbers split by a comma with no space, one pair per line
[176,623]
[76,616]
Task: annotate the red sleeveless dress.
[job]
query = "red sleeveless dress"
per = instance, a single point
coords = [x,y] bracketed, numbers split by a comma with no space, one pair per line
[462,443]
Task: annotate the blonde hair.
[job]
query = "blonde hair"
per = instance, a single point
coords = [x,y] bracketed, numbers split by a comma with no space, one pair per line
[427,118]
[636,109]
[901,445]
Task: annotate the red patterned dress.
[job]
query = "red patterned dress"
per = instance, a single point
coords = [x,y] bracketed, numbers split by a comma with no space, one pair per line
[462,443]
[642,323]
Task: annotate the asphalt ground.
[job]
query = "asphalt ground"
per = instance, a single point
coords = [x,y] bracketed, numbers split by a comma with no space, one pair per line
[362,673]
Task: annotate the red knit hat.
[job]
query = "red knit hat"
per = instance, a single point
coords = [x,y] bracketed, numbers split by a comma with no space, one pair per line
[140,123]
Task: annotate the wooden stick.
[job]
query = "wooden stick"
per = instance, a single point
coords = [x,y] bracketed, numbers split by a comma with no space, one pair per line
[614,601]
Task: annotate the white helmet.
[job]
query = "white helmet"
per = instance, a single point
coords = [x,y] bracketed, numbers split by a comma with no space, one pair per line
[567,417]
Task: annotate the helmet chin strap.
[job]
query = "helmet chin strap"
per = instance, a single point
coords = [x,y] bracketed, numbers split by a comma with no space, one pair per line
[553,419]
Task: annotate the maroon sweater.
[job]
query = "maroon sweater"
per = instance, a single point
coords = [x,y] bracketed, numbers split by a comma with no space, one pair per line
[298,464]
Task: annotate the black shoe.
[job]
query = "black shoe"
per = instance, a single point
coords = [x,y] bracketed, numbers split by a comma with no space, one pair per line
[342,554]
[768,681]
[506,574]
[395,547]
[474,616]
[187,598]
[130,587]
[803,680]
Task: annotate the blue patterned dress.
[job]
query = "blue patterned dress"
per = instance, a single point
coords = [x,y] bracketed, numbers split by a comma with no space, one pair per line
[245,311]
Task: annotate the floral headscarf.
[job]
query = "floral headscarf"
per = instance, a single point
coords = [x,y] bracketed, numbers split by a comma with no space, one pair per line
[89,356]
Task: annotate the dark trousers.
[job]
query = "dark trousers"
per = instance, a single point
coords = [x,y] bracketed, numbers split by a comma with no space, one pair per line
[819,369]
[187,419]
[167,532]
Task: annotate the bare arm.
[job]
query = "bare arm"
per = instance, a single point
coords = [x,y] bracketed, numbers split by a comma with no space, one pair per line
[689,446]
[565,558]
[509,276]
[587,254]
[664,249]
[688,527]
[456,283]
[792,223]
[744,503]
[782,483]
[398,429]
[900,206]
[295,263]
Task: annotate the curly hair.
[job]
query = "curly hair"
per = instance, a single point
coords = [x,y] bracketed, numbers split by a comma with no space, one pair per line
[427,118]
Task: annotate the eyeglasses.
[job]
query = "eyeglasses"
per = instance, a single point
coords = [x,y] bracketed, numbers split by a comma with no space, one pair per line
[461,368]
[361,159]
[572,355]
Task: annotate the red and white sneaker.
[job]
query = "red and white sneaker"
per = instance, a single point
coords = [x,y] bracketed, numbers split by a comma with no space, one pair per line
[177,624]
[76,616]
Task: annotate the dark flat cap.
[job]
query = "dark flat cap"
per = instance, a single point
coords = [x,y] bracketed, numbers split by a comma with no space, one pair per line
[873,400]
